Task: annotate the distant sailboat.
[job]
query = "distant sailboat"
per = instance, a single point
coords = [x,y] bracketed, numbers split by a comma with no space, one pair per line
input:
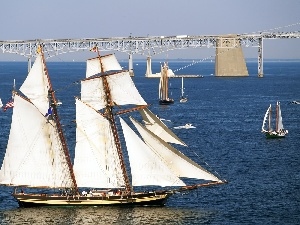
[279,131]
[164,87]
[37,156]
[1,104]
[182,97]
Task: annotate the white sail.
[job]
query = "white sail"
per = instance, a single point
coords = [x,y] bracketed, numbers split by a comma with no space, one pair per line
[147,168]
[122,89]
[36,85]
[181,165]
[96,162]
[263,129]
[34,155]
[279,117]
[109,62]
[155,125]
[1,103]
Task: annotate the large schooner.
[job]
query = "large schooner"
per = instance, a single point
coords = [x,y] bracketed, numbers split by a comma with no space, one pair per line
[37,157]
[163,91]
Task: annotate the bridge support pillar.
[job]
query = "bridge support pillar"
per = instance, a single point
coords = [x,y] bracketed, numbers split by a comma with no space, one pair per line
[130,65]
[260,58]
[29,64]
[229,59]
[149,67]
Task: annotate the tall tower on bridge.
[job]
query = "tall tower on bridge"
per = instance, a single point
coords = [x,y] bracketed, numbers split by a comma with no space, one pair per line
[229,60]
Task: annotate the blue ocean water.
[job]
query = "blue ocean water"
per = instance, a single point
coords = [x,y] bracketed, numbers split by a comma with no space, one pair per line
[263,175]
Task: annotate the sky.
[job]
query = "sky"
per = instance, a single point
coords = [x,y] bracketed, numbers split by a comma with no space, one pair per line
[56,19]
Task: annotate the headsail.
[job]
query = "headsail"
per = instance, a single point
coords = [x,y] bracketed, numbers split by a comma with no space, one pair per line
[155,125]
[265,120]
[147,168]
[109,62]
[174,159]
[96,162]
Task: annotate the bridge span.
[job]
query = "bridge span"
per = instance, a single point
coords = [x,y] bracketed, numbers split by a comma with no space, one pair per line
[148,46]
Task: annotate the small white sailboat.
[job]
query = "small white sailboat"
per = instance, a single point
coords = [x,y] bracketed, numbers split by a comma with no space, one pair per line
[182,97]
[279,131]
[37,157]
[1,104]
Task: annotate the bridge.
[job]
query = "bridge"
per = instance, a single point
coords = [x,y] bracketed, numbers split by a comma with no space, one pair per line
[148,46]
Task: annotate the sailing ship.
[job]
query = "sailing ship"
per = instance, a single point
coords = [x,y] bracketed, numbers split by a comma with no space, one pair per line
[37,157]
[266,128]
[182,97]
[1,104]
[164,87]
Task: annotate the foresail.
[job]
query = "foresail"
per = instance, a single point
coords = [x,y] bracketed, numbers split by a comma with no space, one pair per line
[109,62]
[155,125]
[174,159]
[96,162]
[147,168]
[36,85]
[122,89]
[265,120]
[34,155]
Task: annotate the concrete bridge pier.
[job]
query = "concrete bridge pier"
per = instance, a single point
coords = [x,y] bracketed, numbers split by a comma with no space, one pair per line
[229,59]
[148,67]
[130,65]
[260,58]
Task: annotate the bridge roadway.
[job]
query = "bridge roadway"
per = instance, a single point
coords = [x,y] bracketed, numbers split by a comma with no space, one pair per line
[148,46]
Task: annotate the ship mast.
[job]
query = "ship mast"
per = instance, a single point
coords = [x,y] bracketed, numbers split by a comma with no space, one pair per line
[277,114]
[270,116]
[111,119]
[53,103]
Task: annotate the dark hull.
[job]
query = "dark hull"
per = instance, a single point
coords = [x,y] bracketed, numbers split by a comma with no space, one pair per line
[147,199]
[166,102]
[272,135]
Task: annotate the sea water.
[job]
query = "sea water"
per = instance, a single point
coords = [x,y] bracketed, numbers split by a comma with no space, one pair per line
[263,175]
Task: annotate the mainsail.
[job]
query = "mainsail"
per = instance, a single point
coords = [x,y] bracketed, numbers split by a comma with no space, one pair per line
[35,155]
[279,118]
